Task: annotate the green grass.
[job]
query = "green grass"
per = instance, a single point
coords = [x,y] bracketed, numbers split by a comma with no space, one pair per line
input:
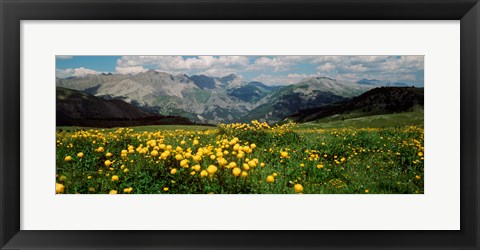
[415,118]
[325,158]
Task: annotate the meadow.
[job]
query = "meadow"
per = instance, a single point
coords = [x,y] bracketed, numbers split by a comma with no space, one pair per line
[332,157]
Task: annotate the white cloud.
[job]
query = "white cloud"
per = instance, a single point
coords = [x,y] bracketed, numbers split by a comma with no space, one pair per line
[352,68]
[326,67]
[78,72]
[130,70]
[63,57]
[178,63]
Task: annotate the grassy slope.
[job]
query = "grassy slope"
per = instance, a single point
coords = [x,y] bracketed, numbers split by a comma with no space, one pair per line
[414,118]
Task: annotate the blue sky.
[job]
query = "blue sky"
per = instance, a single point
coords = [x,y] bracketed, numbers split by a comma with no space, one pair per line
[271,70]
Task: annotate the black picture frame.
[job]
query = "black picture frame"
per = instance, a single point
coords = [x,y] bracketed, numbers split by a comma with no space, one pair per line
[13,11]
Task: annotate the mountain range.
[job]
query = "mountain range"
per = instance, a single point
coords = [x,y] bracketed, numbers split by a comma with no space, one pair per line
[206,99]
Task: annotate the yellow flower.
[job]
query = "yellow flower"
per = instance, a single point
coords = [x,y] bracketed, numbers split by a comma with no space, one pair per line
[173,171]
[108,154]
[212,157]
[366,190]
[165,189]
[343,159]
[212,169]
[203,173]
[154,153]
[196,167]
[418,177]
[420,154]
[125,170]
[262,164]
[197,158]
[89,177]
[275,174]
[68,158]
[178,157]
[319,166]
[244,173]
[91,189]
[195,142]
[108,163]
[63,178]
[59,188]
[232,165]
[80,155]
[270,179]
[128,190]
[113,192]
[184,163]
[283,154]
[237,171]
[298,188]
[100,149]
[115,178]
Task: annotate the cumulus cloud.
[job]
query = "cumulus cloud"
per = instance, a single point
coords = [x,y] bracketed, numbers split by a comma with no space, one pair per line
[78,72]
[183,64]
[284,69]
[63,57]
[130,70]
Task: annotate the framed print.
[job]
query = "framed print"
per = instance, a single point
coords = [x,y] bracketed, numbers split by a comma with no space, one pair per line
[239,124]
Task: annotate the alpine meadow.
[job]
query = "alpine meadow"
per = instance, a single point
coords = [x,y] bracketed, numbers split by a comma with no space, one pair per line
[239,124]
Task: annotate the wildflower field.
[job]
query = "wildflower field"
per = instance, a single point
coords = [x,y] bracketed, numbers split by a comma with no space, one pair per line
[252,158]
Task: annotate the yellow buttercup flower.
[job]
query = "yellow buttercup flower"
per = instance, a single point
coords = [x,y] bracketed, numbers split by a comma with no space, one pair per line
[115,178]
[270,179]
[108,163]
[212,169]
[59,188]
[80,155]
[298,188]
[68,158]
[173,171]
[196,167]
[244,173]
[184,163]
[113,192]
[236,171]
[203,173]
[154,153]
